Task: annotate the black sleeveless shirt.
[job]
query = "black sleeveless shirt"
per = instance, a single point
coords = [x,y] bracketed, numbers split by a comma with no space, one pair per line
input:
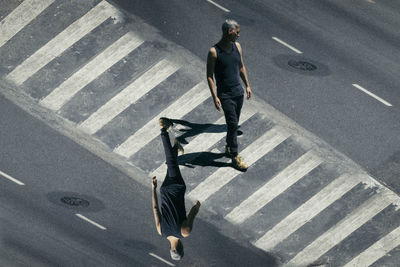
[227,72]
[173,211]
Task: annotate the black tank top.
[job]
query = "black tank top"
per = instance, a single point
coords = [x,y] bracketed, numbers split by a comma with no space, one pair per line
[227,72]
[173,211]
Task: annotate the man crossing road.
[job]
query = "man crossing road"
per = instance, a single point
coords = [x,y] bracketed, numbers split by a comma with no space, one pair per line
[225,62]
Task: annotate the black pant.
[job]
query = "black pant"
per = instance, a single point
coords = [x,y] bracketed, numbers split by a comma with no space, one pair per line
[173,175]
[232,107]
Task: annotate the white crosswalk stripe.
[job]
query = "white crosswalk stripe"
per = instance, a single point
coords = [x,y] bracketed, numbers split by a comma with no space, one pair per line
[128,96]
[344,228]
[251,154]
[306,211]
[61,42]
[377,250]
[274,187]
[111,55]
[27,11]
[176,110]
[204,141]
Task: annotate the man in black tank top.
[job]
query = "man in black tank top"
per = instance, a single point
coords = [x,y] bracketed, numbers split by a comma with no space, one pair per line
[225,62]
[172,222]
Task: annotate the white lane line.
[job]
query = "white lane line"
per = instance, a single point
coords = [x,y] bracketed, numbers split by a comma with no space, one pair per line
[161,259]
[344,228]
[20,17]
[5,175]
[129,95]
[277,185]
[204,141]
[61,42]
[287,45]
[111,55]
[377,250]
[176,110]
[324,198]
[219,6]
[251,154]
[371,94]
[90,221]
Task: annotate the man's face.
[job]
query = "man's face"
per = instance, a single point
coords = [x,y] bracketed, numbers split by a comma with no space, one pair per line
[234,34]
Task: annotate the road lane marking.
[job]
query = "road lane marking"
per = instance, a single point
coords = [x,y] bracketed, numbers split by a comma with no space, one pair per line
[377,250]
[204,141]
[343,229]
[110,56]
[90,221]
[73,33]
[277,185]
[308,210]
[287,45]
[186,103]
[251,154]
[5,175]
[161,259]
[129,95]
[219,6]
[371,94]
[21,16]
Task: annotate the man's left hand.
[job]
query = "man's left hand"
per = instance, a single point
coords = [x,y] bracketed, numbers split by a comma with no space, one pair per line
[248,91]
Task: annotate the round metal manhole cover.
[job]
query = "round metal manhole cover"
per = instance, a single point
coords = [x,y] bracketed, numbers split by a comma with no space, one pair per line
[302,65]
[75,201]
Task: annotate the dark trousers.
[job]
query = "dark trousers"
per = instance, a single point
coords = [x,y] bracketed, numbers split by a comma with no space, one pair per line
[173,175]
[232,108]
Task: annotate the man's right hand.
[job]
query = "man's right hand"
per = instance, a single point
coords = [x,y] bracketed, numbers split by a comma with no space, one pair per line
[217,103]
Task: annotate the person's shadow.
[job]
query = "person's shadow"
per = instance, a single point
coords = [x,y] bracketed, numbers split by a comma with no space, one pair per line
[202,158]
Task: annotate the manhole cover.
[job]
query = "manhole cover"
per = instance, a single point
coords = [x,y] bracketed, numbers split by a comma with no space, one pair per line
[75,201]
[302,65]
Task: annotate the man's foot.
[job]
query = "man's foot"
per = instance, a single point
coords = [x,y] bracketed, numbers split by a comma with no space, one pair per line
[239,164]
[179,147]
[165,123]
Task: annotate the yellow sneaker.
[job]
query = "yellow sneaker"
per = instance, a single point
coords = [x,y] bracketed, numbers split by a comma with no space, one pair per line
[179,147]
[239,164]
[165,123]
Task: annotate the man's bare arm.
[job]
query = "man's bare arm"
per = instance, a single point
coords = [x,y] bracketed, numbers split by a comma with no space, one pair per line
[243,72]
[211,59]
[156,210]
[187,225]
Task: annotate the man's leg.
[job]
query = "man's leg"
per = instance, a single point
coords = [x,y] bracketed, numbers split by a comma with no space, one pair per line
[171,157]
[229,108]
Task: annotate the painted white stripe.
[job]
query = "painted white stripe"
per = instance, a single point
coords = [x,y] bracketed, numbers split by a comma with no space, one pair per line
[129,95]
[61,42]
[204,141]
[5,175]
[111,55]
[344,228]
[251,154]
[287,45]
[371,94]
[90,221]
[329,194]
[20,17]
[176,110]
[161,259]
[282,181]
[219,6]
[377,250]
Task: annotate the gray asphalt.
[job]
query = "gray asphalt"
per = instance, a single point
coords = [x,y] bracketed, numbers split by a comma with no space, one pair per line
[350,43]
[38,229]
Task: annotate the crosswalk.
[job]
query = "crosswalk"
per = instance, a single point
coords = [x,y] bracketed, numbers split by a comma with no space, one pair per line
[269,183]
